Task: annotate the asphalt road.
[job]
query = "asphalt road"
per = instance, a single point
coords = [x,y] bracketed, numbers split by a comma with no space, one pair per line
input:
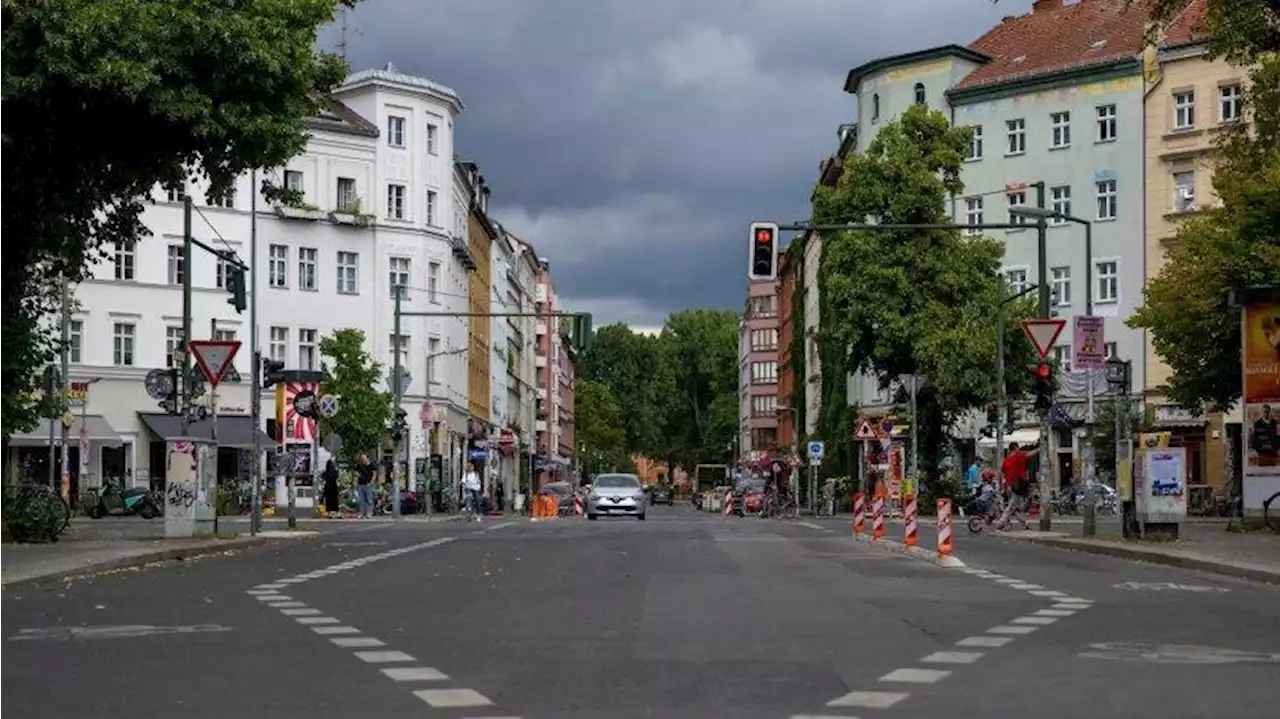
[684,615]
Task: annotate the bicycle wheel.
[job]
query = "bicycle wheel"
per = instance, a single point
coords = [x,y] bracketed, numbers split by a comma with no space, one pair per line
[1271,512]
[975,524]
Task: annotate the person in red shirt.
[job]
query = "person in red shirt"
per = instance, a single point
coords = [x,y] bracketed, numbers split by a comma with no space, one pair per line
[1014,470]
[1014,466]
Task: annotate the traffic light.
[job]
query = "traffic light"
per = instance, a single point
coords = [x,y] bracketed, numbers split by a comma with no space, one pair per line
[583,337]
[399,424]
[236,286]
[1042,385]
[993,414]
[272,372]
[763,256]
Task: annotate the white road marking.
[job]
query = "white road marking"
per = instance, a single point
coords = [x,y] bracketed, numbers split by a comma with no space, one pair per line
[1047,593]
[1071,605]
[272,587]
[1039,621]
[916,676]
[1024,586]
[440,698]
[953,657]
[1006,629]
[384,657]
[325,631]
[1054,613]
[414,674]
[1075,600]
[984,641]
[301,612]
[869,700]
[261,591]
[316,620]
[354,642]
[290,604]
[272,597]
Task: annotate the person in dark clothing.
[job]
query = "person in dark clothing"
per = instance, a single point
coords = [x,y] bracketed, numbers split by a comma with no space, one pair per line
[364,485]
[330,477]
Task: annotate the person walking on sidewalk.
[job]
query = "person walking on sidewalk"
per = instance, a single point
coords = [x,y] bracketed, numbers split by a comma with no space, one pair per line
[330,477]
[471,488]
[364,486]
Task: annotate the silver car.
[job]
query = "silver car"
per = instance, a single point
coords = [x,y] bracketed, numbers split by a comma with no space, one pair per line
[616,494]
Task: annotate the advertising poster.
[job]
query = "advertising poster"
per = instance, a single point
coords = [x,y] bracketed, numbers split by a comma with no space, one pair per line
[1262,389]
[1164,484]
[1089,342]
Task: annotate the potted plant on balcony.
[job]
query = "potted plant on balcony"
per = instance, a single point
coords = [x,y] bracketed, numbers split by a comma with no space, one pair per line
[351,214]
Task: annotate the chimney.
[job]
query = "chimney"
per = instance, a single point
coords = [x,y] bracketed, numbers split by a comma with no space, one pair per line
[1043,5]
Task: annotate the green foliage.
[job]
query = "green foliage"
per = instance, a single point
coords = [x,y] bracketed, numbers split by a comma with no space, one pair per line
[634,367]
[898,302]
[702,419]
[1231,246]
[355,376]
[598,426]
[105,99]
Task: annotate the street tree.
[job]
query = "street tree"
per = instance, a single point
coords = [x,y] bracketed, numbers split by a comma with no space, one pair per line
[701,346]
[900,302]
[598,426]
[635,369]
[352,373]
[106,99]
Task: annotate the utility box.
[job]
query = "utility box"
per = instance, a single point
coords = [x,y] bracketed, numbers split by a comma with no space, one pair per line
[190,486]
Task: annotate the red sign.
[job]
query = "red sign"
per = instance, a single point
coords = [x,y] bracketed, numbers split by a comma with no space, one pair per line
[214,357]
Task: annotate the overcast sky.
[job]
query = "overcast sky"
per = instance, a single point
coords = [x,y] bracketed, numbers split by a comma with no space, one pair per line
[632,141]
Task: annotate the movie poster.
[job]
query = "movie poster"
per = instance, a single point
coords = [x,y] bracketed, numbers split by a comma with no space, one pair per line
[1262,389]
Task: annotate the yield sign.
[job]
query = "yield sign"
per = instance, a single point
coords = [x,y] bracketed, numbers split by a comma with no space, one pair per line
[1043,333]
[214,357]
[865,431]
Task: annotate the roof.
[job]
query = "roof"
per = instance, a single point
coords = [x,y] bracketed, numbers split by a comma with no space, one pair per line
[1055,37]
[857,74]
[1187,25]
[390,74]
[334,116]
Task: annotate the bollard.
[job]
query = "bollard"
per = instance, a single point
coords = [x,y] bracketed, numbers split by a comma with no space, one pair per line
[578,508]
[944,527]
[877,518]
[909,521]
[728,503]
[859,514]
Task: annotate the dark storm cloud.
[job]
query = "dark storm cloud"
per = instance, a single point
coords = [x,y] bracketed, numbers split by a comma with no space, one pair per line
[633,140]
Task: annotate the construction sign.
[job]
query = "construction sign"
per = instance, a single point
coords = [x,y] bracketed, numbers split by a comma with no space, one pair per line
[866,430]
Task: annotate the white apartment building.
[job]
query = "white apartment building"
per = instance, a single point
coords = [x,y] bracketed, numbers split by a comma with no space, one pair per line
[512,372]
[381,211]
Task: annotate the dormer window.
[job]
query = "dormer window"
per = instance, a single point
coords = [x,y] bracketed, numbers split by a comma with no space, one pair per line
[875,107]
[919,93]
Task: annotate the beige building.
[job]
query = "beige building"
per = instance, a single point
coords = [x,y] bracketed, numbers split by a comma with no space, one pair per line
[1189,100]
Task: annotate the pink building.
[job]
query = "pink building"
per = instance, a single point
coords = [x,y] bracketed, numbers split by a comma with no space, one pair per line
[554,359]
[758,370]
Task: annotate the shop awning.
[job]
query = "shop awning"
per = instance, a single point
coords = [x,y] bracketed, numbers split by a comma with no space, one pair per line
[235,431]
[1021,436]
[100,432]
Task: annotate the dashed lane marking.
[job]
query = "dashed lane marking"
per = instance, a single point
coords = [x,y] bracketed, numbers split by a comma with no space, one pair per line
[916,676]
[384,657]
[414,674]
[353,642]
[452,698]
[868,700]
[984,641]
[953,657]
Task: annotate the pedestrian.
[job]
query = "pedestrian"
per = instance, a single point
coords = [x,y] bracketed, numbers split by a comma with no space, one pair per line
[364,486]
[471,488]
[330,477]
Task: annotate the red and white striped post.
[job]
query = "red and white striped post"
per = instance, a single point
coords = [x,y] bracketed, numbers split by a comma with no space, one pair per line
[859,514]
[877,518]
[578,508]
[728,503]
[944,527]
[909,521]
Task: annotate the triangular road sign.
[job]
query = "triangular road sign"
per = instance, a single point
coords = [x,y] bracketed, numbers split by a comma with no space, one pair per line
[213,357]
[865,431]
[1043,333]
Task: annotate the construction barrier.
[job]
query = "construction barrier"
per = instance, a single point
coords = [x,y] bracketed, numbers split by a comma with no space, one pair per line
[877,518]
[944,527]
[728,503]
[859,514]
[909,521]
[545,507]
[578,507]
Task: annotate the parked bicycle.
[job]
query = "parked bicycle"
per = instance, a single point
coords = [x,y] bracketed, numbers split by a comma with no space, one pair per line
[1271,512]
[35,513]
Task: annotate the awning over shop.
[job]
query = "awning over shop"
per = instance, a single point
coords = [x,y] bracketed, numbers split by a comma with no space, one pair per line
[235,431]
[1020,436]
[100,432]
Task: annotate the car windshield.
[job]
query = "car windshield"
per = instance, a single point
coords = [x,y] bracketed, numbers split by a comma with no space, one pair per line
[617,481]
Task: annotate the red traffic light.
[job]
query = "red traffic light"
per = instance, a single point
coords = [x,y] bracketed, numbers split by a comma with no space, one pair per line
[764,235]
[1043,370]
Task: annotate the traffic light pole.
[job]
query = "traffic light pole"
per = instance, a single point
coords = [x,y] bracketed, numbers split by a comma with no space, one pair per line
[398,390]
[255,372]
[1001,401]
[1046,428]
[184,406]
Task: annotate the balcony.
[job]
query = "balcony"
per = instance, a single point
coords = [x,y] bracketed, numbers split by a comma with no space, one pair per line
[540,293]
[540,361]
[540,425]
[540,328]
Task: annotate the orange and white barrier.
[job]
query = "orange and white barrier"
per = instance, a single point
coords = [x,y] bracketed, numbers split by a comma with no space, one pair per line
[877,518]
[944,527]
[859,514]
[728,503]
[545,507]
[578,508]
[909,520]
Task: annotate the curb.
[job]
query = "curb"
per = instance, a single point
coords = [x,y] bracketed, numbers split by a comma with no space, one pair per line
[1256,574]
[917,553]
[137,560]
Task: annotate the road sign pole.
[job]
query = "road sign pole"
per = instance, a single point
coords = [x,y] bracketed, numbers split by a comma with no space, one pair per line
[213,425]
[398,391]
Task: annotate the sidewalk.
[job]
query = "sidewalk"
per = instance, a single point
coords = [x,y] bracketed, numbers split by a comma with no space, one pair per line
[28,563]
[1203,546]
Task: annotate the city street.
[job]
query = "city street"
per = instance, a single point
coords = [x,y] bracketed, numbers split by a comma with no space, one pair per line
[683,615]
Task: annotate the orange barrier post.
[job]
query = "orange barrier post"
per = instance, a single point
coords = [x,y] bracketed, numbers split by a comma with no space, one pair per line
[909,520]
[859,514]
[537,506]
[728,503]
[944,527]
[877,518]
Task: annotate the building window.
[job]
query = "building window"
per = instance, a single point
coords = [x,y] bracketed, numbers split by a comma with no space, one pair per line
[173,355]
[348,201]
[764,405]
[1113,350]
[306,349]
[395,131]
[293,181]
[1061,286]
[1107,206]
[279,344]
[919,93]
[307,268]
[173,193]
[1184,110]
[433,351]
[1061,197]
[975,143]
[1184,191]
[228,200]
[875,107]
[123,340]
[1106,123]
[973,214]
[1228,103]
[75,341]
[175,264]
[225,335]
[1016,132]
[1017,279]
[433,281]
[764,373]
[395,202]
[278,266]
[432,138]
[124,260]
[1017,199]
[399,277]
[1108,274]
[220,273]
[1061,129]
[764,340]
[399,346]
[432,207]
[348,273]
[1062,353]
